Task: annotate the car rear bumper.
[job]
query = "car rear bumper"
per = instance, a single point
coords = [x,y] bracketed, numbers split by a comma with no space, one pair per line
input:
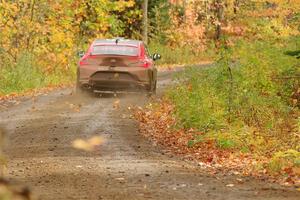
[113,87]
[114,79]
[108,82]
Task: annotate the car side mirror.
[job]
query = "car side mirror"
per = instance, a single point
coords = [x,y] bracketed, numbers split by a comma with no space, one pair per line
[81,54]
[156,56]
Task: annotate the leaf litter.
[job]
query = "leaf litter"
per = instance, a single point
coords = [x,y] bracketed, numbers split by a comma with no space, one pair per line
[157,122]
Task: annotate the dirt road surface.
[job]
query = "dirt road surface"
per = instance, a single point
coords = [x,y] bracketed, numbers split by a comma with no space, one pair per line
[127,166]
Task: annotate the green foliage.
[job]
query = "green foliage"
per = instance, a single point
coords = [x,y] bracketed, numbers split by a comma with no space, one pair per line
[280,160]
[25,74]
[249,92]
[197,139]
[196,104]
[160,21]
[225,143]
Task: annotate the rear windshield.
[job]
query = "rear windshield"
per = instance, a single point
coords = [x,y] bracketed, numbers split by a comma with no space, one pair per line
[115,50]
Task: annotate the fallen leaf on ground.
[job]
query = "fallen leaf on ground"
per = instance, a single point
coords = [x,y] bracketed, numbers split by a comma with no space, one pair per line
[88,145]
[230,185]
[155,122]
[116,104]
[239,180]
[74,107]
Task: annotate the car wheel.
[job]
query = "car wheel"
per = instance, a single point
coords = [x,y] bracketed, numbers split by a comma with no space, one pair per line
[152,89]
[78,88]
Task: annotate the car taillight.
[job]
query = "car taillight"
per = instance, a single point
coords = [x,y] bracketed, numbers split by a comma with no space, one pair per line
[83,61]
[146,64]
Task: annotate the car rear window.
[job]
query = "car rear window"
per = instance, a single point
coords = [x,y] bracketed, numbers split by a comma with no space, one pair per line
[115,50]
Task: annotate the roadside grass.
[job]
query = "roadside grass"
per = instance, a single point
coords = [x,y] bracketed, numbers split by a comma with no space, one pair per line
[21,76]
[25,74]
[247,102]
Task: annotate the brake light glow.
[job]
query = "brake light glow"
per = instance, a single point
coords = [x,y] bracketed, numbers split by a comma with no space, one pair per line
[146,64]
[83,60]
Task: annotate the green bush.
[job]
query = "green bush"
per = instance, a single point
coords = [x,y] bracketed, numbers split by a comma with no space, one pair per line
[288,158]
[20,76]
[225,143]
[248,91]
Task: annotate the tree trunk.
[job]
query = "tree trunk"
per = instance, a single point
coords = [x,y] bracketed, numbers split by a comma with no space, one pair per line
[145,21]
[236,6]
[219,8]
[184,4]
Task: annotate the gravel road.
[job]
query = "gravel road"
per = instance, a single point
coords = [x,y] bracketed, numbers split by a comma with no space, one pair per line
[40,132]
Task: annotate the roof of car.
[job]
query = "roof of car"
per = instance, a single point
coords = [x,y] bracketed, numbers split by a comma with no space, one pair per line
[117,41]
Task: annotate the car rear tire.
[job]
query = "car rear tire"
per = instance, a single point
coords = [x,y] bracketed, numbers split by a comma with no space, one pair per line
[78,88]
[152,89]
